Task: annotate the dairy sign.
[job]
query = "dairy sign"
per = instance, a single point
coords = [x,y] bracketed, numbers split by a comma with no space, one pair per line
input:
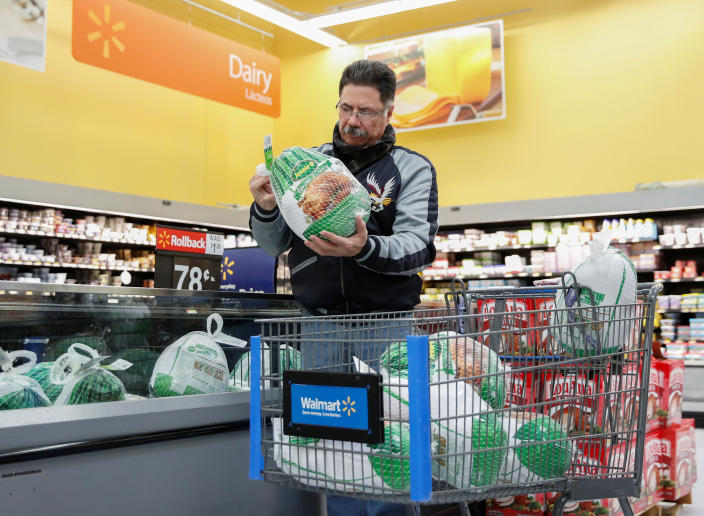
[128,39]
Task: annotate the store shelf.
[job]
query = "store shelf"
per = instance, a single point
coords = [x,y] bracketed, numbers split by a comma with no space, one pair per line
[529,246]
[82,238]
[492,276]
[61,265]
[676,247]
[493,248]
[517,275]
[683,280]
[678,311]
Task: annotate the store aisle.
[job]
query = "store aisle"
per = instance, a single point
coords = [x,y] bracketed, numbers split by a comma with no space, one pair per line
[697,507]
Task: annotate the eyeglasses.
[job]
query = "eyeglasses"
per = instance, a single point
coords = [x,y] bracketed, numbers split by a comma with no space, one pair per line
[362,114]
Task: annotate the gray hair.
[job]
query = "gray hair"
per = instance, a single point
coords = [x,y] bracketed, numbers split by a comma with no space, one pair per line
[367,72]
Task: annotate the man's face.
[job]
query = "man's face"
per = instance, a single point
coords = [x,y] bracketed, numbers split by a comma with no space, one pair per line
[357,125]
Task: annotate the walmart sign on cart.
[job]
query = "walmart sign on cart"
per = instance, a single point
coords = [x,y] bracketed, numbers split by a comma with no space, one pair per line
[344,406]
[330,406]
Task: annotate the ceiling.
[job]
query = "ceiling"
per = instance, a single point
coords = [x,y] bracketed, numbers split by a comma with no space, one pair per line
[257,32]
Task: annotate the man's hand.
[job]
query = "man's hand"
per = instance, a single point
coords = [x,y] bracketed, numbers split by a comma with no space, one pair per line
[337,245]
[260,186]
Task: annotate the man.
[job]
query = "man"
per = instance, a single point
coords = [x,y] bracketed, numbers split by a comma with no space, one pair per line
[375,269]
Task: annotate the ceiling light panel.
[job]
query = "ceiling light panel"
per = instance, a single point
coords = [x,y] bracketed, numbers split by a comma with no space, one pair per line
[287,22]
[370,11]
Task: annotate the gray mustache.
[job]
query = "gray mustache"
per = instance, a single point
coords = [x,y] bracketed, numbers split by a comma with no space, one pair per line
[357,132]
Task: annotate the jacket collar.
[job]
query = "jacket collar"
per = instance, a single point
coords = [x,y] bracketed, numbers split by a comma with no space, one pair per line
[358,158]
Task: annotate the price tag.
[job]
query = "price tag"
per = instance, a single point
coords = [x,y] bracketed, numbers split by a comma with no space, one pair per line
[118,365]
[215,243]
[188,259]
[197,273]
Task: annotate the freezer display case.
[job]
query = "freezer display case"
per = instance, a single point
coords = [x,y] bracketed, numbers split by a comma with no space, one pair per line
[136,399]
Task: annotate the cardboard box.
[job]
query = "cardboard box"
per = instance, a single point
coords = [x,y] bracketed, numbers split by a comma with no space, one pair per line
[513,324]
[540,340]
[630,382]
[652,491]
[574,401]
[679,459]
[519,505]
[671,380]
[522,385]
[590,507]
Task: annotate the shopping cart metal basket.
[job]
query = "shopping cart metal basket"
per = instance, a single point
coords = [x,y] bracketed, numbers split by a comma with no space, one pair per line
[504,392]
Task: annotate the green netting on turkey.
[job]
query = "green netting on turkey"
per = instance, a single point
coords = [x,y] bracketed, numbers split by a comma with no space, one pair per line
[550,453]
[135,378]
[164,387]
[338,219]
[487,434]
[20,392]
[395,471]
[395,358]
[55,349]
[40,373]
[289,358]
[316,192]
[96,386]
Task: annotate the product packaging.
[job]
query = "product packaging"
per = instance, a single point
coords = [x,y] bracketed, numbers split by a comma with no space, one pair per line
[467,440]
[652,491]
[195,363]
[344,465]
[679,459]
[83,379]
[316,193]
[518,505]
[40,373]
[578,508]
[575,401]
[509,324]
[523,385]
[289,358]
[629,383]
[671,381]
[539,448]
[603,323]
[18,391]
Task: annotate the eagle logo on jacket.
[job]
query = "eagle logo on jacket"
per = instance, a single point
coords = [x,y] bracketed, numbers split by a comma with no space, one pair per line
[379,196]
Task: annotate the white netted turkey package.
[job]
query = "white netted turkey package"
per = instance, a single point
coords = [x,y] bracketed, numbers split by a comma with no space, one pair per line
[316,193]
[604,324]
[344,465]
[195,363]
[18,391]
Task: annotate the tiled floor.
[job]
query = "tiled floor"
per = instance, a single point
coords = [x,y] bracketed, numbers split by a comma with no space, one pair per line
[697,507]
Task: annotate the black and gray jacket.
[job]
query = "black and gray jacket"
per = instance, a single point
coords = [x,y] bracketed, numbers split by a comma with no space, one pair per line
[402,225]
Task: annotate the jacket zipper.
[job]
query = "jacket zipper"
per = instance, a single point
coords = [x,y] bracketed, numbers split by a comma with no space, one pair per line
[342,286]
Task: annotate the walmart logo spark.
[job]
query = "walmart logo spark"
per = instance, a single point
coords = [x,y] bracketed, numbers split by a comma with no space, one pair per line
[106,31]
[226,267]
[332,407]
[348,406]
[164,239]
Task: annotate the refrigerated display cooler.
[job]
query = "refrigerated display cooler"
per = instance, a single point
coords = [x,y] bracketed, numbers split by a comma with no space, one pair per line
[121,401]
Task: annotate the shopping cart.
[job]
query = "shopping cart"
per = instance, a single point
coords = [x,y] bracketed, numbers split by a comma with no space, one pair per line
[505,392]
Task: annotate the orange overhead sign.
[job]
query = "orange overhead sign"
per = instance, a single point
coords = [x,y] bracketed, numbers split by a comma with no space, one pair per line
[125,38]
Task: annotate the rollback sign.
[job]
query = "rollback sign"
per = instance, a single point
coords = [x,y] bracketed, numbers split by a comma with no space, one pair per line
[126,38]
[187,259]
